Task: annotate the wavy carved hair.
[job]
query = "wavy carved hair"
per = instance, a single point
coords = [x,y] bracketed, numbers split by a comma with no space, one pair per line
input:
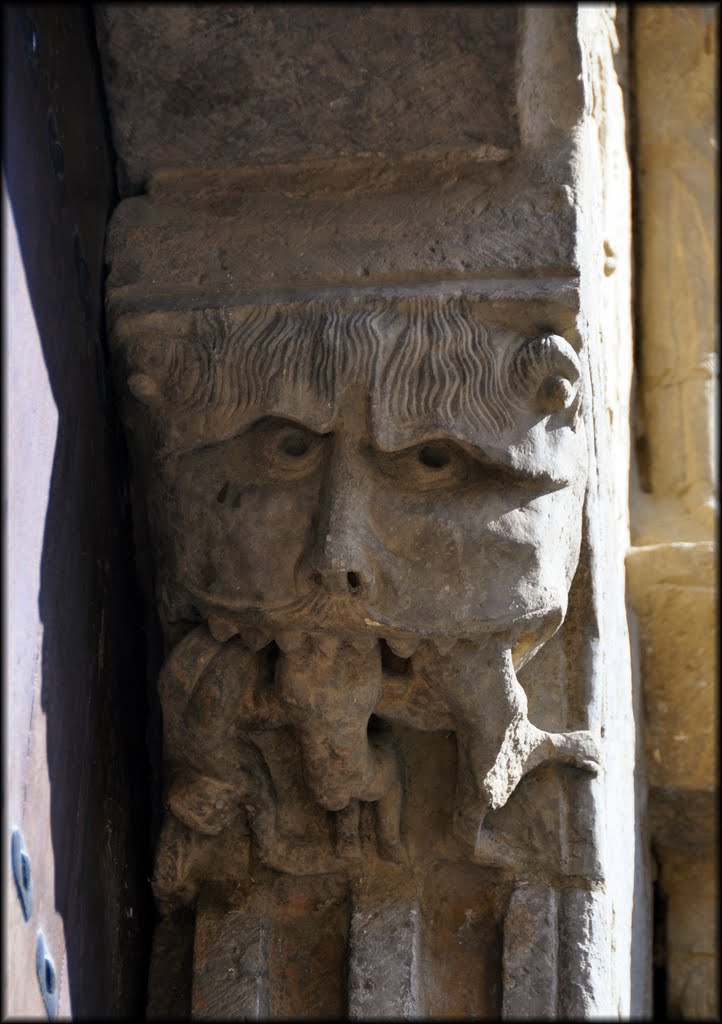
[422,359]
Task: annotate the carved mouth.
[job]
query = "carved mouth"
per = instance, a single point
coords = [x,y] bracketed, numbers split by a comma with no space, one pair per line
[392,660]
[322,615]
[397,647]
[316,620]
[396,650]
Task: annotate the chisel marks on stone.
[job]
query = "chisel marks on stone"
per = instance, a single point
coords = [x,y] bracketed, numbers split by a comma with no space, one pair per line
[230,962]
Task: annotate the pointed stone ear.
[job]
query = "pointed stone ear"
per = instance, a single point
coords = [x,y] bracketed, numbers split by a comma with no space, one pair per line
[544,374]
[143,355]
[154,368]
[159,369]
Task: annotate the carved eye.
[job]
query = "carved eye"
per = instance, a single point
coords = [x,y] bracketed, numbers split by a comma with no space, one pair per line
[286,451]
[434,465]
[434,456]
[295,443]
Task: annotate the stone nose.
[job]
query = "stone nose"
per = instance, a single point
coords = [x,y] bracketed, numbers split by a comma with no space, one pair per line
[339,561]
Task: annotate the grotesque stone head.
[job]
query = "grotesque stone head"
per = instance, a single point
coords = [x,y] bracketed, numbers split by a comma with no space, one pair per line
[358,483]
[400,470]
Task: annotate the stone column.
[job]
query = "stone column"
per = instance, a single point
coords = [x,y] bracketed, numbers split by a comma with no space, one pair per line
[369,298]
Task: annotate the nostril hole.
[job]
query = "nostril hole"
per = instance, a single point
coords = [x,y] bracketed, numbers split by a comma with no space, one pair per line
[317,579]
[353,580]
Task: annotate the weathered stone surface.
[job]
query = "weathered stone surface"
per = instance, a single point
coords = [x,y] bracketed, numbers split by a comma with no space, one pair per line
[677,147]
[384,952]
[275,950]
[691,886]
[222,85]
[673,567]
[307,967]
[584,938]
[263,244]
[530,954]
[460,942]
[683,820]
[230,953]
[617,983]
[369,417]
[672,588]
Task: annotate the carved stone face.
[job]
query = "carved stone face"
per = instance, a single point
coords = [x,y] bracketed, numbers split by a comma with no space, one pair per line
[401,471]
[368,488]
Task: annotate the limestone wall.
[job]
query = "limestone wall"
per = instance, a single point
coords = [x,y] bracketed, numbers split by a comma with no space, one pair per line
[672,565]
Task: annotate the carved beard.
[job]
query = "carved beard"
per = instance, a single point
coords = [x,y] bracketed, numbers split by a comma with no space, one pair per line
[327,690]
[331,690]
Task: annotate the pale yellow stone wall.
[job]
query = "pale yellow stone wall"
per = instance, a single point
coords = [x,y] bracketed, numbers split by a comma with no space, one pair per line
[672,566]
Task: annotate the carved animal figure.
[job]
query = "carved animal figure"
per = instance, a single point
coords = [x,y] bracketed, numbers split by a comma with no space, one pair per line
[392,496]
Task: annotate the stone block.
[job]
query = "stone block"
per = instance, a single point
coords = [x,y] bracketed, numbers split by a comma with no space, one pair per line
[691,889]
[672,592]
[677,152]
[530,954]
[584,939]
[222,85]
[383,979]
[461,943]
[230,966]
[260,243]
[307,948]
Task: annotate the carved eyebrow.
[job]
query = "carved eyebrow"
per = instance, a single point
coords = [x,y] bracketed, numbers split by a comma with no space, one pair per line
[283,420]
